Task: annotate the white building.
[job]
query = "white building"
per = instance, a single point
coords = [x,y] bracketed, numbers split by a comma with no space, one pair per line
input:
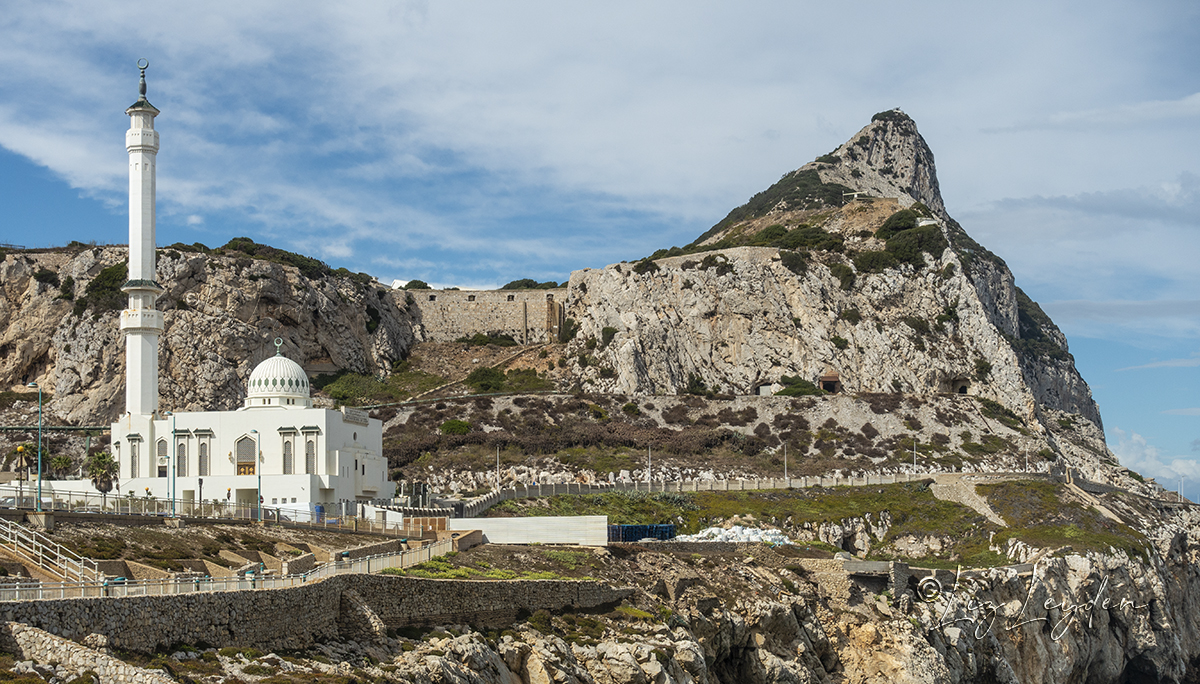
[276,446]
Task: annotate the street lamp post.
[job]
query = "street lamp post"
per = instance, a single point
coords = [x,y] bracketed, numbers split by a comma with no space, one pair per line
[174,465]
[39,489]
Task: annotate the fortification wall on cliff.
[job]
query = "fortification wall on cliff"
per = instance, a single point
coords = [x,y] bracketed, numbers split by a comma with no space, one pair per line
[529,316]
[297,617]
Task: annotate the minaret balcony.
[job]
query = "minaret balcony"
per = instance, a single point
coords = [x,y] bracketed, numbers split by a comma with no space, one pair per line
[141,320]
[141,138]
[132,286]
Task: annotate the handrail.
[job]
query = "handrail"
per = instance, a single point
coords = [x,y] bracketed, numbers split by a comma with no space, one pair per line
[46,553]
[21,590]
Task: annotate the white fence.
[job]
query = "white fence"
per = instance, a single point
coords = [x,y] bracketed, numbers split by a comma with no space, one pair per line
[476,506]
[585,530]
[24,497]
[32,590]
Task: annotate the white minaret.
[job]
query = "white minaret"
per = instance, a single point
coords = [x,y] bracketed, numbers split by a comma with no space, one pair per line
[141,323]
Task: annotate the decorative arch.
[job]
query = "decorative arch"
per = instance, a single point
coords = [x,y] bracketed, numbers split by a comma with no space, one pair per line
[246,457]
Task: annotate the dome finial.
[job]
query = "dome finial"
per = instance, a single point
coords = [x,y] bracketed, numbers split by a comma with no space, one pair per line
[278,346]
[142,64]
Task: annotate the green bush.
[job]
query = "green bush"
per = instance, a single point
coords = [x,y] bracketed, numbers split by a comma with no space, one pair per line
[567,332]
[796,262]
[717,261]
[812,237]
[892,115]
[829,159]
[104,292]
[844,274]
[982,368]
[631,409]
[46,276]
[794,386]
[606,336]
[696,385]
[645,266]
[530,284]
[455,427]
[486,379]
[839,342]
[769,234]
[905,219]
[308,266]
[874,262]
[67,289]
[417,285]
[908,246]
[851,315]
[918,324]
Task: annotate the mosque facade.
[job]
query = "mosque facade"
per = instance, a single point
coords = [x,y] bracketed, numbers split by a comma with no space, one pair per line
[276,449]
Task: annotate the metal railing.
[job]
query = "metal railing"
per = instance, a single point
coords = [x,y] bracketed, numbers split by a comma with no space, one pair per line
[47,554]
[24,497]
[24,590]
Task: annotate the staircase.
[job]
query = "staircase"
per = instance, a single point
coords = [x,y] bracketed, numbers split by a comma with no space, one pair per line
[45,558]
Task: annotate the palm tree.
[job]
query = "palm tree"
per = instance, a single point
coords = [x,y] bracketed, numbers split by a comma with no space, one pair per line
[60,464]
[102,470]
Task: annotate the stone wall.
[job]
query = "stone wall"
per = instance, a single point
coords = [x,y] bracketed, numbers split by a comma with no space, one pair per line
[34,644]
[296,617]
[529,316]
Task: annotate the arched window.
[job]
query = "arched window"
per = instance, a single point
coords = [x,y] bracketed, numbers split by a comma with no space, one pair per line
[310,457]
[203,459]
[245,456]
[133,459]
[287,457]
[181,459]
[161,449]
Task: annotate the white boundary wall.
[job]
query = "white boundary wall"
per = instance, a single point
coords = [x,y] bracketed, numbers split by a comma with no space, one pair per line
[584,530]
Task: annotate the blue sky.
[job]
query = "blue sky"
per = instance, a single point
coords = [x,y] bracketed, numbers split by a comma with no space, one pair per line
[471,143]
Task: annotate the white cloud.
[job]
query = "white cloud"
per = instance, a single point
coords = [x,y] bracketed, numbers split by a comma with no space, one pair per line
[1136,454]
[1120,116]
[195,220]
[1191,362]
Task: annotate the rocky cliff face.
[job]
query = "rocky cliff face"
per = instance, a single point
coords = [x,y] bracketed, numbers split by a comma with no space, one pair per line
[828,292]
[221,314]
[755,616]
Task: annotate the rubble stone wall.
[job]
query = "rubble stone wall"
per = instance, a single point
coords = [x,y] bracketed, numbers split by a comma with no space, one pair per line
[529,316]
[296,617]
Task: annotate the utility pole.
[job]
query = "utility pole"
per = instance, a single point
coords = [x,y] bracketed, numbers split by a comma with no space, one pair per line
[649,468]
[497,467]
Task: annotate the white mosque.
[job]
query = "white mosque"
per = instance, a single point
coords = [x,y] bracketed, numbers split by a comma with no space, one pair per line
[277,446]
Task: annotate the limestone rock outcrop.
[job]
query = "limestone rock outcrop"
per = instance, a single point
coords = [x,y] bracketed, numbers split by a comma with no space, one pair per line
[734,319]
[221,314]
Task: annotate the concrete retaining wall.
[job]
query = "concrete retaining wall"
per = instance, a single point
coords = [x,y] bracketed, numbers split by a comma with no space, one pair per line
[585,530]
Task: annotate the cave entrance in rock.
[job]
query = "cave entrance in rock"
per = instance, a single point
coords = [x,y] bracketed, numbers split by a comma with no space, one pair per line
[831,382]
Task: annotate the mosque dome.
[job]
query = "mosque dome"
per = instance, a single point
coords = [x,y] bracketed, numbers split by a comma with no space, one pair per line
[278,381]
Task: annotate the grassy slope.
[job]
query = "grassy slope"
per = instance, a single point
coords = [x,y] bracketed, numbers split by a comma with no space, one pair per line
[1038,514]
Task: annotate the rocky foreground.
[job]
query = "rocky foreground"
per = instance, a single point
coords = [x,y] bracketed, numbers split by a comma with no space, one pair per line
[719,613]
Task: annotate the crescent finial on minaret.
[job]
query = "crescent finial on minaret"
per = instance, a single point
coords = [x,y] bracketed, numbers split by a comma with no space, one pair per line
[142,64]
